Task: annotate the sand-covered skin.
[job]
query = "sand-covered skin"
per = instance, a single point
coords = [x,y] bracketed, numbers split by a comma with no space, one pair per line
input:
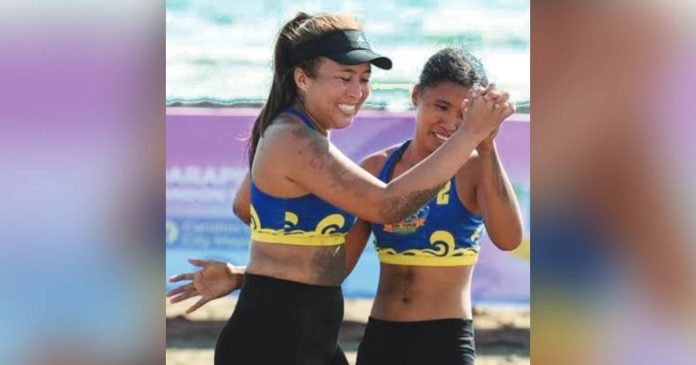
[502,334]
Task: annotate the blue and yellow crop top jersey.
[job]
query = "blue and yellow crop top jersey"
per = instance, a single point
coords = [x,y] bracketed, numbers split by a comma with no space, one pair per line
[442,233]
[304,221]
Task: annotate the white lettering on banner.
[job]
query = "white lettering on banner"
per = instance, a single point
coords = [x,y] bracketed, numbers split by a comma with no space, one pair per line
[205,175]
[200,195]
[203,184]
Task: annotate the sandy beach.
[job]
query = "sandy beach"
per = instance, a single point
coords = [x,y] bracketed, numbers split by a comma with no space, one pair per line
[502,334]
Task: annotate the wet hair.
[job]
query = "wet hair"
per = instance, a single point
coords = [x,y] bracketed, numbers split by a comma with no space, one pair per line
[452,65]
[283,90]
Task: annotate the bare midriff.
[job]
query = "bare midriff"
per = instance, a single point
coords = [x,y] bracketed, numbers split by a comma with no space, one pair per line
[419,293]
[316,265]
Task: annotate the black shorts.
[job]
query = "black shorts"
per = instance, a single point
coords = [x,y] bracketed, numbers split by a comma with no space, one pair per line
[436,342]
[282,322]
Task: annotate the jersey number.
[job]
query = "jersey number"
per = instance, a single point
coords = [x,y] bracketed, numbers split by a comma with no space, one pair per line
[443,195]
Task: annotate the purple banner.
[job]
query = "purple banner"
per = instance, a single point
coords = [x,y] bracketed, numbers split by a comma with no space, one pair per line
[206,161]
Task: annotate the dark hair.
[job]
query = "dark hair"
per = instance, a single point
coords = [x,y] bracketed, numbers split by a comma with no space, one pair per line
[453,65]
[283,90]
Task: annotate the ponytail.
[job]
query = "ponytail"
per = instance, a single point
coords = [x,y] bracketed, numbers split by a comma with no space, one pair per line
[283,90]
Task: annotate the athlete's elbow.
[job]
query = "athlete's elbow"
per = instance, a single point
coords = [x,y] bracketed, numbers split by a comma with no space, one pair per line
[380,219]
[509,242]
[509,245]
[384,213]
[386,216]
[241,214]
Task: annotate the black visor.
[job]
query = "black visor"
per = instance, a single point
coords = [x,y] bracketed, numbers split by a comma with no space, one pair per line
[348,47]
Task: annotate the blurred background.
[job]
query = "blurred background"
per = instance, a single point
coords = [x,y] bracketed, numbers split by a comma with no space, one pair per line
[81,182]
[221,52]
[218,74]
[613,166]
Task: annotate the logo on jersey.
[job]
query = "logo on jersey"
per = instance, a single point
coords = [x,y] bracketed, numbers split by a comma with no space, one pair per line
[410,224]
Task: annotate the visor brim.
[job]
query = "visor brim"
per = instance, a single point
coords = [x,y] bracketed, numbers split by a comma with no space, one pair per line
[358,56]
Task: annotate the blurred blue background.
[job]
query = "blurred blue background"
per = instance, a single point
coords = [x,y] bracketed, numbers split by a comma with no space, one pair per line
[221,51]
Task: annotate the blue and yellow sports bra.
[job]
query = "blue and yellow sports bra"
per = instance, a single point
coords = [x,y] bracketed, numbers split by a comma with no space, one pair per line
[304,221]
[442,233]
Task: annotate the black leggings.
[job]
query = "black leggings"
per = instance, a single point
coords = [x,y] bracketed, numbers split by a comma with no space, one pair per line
[282,322]
[436,342]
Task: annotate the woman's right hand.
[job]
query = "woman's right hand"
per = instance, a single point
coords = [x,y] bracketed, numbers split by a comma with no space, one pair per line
[215,280]
[484,111]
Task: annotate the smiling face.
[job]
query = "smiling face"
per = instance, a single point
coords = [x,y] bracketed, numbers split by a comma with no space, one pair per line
[438,112]
[336,92]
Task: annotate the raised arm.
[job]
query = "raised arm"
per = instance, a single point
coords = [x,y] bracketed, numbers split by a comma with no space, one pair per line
[311,162]
[496,199]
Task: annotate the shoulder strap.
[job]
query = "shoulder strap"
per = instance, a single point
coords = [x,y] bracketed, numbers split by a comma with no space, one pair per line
[294,111]
[388,169]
